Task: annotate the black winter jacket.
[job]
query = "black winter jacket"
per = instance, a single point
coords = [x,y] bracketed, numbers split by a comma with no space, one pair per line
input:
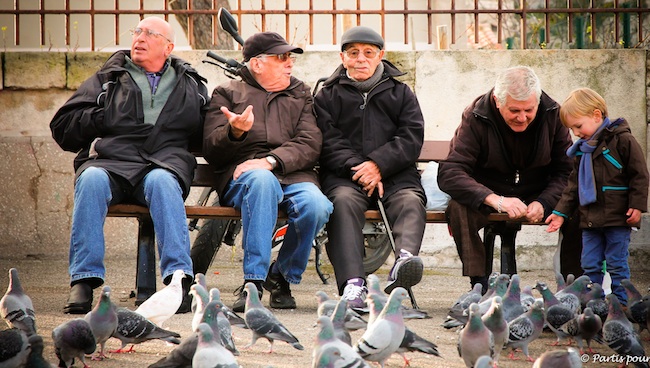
[108,105]
[386,127]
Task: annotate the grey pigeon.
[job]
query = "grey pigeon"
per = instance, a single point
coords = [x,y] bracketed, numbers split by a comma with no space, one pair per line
[102,320]
[213,316]
[200,295]
[199,279]
[14,348]
[560,282]
[73,339]
[327,358]
[326,341]
[512,307]
[165,302]
[234,318]
[210,353]
[584,327]
[619,334]
[597,302]
[463,302]
[263,323]
[498,286]
[36,359]
[527,297]
[525,328]
[484,361]
[559,358]
[637,309]
[374,287]
[411,342]
[353,320]
[494,320]
[557,314]
[338,322]
[474,340]
[16,307]
[573,293]
[133,328]
[385,334]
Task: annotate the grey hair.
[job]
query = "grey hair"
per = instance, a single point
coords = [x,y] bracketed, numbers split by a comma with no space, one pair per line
[518,82]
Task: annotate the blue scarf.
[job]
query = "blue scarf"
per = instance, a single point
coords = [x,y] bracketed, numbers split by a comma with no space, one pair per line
[586,181]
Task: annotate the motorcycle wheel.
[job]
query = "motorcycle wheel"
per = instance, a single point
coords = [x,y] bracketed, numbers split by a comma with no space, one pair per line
[377,250]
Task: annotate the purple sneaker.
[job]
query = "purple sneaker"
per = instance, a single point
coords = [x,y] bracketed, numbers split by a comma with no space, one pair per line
[355,293]
[406,272]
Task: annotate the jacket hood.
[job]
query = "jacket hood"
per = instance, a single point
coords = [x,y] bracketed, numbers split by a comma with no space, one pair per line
[486,107]
[390,70]
[247,77]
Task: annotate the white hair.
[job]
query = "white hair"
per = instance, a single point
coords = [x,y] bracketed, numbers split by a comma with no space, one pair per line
[518,82]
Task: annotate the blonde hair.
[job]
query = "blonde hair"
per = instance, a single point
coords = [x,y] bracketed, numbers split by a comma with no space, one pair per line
[582,102]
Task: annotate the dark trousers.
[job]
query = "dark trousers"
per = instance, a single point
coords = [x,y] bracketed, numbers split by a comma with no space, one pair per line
[406,214]
[465,223]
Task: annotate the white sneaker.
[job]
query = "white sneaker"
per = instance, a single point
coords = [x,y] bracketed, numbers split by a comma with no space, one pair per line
[355,295]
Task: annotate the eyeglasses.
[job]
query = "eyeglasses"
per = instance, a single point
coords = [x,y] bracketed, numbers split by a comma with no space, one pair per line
[281,57]
[149,33]
[367,53]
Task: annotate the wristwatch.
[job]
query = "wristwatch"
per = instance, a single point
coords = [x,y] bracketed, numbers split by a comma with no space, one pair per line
[272,161]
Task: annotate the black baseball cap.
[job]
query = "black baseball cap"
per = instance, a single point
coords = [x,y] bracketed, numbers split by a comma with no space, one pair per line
[267,43]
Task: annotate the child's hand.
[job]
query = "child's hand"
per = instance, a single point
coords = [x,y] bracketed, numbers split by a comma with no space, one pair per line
[633,216]
[554,222]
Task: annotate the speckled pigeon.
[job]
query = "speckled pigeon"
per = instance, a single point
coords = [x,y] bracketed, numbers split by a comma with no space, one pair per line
[474,340]
[597,302]
[353,320]
[102,320]
[499,288]
[574,292]
[16,307]
[14,348]
[494,320]
[165,302]
[619,334]
[133,328]
[374,287]
[559,359]
[73,339]
[325,340]
[385,334]
[263,323]
[234,318]
[584,327]
[557,314]
[210,353]
[527,297]
[525,328]
[213,316]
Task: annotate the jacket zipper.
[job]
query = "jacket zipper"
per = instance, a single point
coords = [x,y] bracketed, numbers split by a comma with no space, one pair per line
[365,95]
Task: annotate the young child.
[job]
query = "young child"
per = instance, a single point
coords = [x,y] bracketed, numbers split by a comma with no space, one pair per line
[609,183]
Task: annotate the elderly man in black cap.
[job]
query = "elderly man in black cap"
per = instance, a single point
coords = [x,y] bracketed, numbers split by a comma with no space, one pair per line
[373,131]
[261,135]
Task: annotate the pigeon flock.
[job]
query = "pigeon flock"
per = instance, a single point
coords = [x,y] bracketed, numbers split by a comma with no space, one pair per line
[490,329]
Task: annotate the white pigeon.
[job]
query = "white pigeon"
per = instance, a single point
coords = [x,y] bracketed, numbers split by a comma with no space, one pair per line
[200,295]
[384,336]
[210,353]
[16,307]
[165,302]
[326,341]
[102,320]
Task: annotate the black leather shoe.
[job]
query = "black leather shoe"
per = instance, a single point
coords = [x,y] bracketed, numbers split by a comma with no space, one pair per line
[239,306]
[186,305]
[80,299]
[281,297]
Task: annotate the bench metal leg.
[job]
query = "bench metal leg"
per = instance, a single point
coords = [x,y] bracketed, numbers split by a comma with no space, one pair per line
[145,282]
[507,232]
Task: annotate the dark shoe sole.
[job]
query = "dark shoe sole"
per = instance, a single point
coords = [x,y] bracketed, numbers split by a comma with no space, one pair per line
[408,275]
[283,305]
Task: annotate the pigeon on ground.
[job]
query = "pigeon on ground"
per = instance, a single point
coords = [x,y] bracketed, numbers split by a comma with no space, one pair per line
[525,328]
[560,282]
[484,361]
[199,279]
[474,340]
[461,305]
[165,302]
[619,334]
[353,320]
[338,322]
[14,348]
[494,320]
[233,318]
[512,307]
[559,358]
[325,340]
[16,307]
[102,320]
[573,293]
[637,309]
[498,288]
[385,334]
[73,339]
[133,328]
[35,359]
[557,314]
[497,285]
[327,358]
[213,316]
[597,302]
[200,294]
[374,287]
[586,326]
[209,351]
[527,297]
[263,323]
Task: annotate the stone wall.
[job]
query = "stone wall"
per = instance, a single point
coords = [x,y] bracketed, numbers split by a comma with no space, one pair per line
[37,182]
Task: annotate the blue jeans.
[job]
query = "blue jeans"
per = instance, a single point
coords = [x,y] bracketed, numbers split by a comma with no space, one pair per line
[95,190]
[607,244]
[258,194]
